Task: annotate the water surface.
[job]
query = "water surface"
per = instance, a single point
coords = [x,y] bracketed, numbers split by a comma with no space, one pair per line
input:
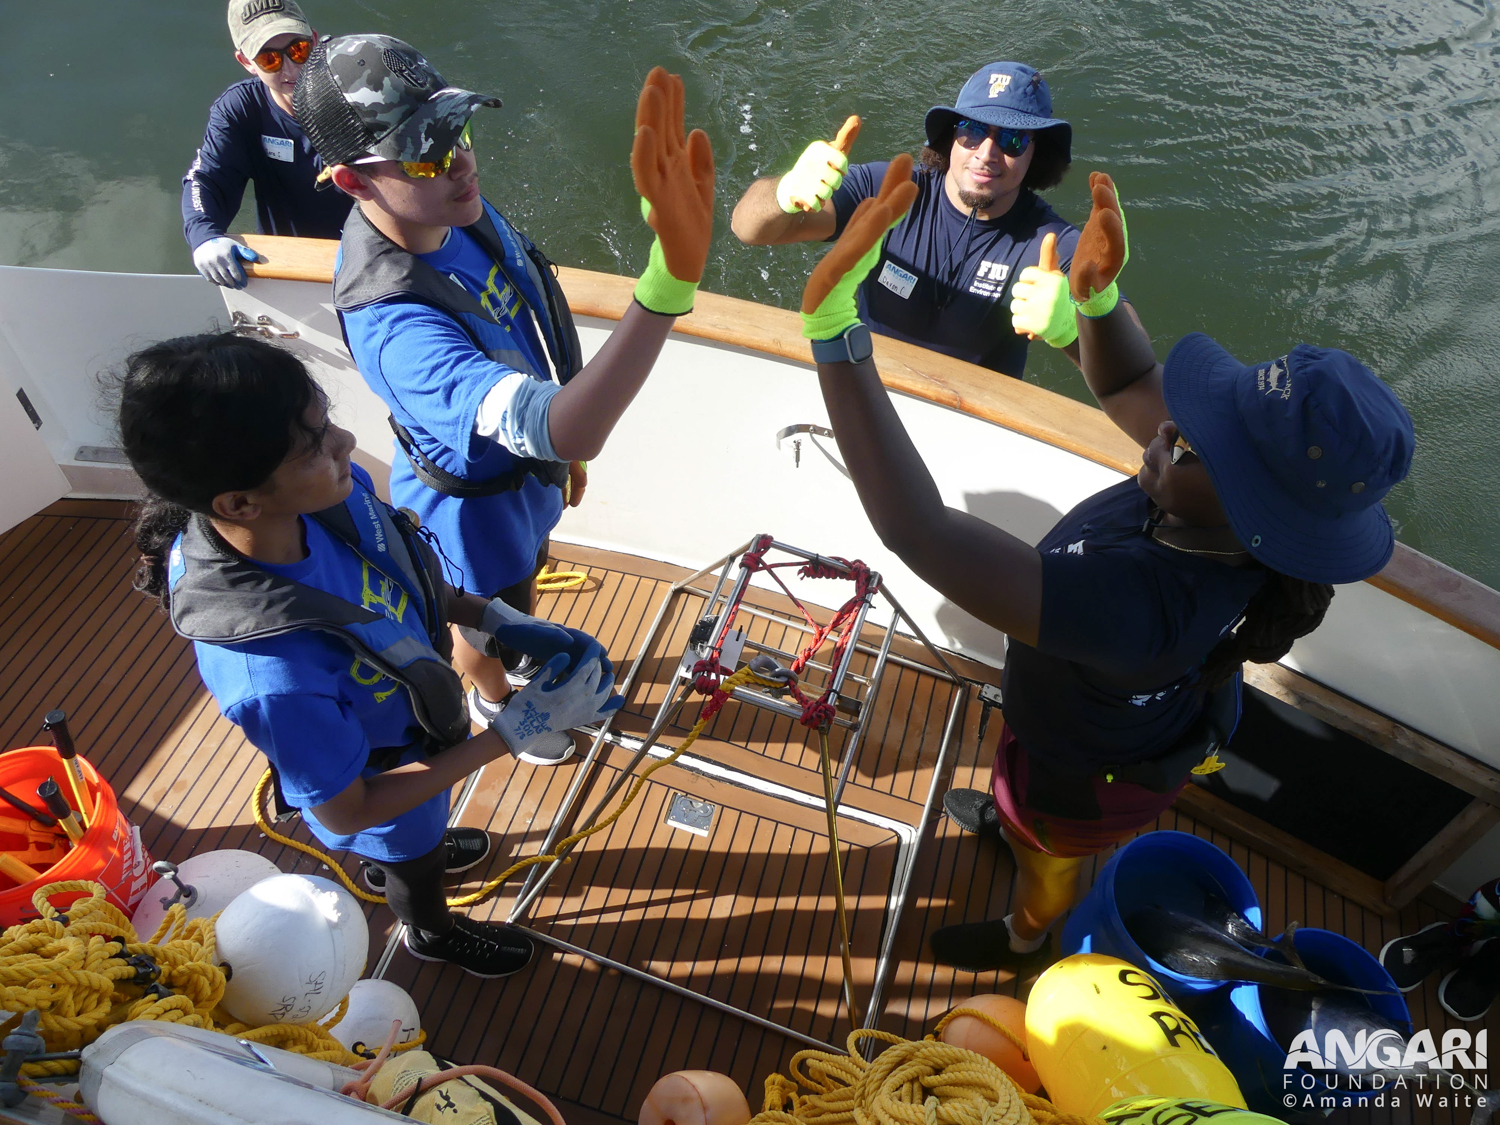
[1325,172]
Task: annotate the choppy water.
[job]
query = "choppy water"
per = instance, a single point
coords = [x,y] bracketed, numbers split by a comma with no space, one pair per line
[1325,171]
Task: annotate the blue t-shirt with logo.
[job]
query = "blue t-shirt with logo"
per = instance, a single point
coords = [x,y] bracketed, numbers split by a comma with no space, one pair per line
[943,278]
[307,702]
[426,369]
[1126,623]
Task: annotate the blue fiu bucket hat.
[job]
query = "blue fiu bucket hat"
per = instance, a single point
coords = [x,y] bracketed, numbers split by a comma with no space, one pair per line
[1300,449]
[1009,94]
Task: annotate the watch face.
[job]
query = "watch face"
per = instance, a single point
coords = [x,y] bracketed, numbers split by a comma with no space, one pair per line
[861,347]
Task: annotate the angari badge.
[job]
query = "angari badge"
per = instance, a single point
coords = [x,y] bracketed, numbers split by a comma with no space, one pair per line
[897,280]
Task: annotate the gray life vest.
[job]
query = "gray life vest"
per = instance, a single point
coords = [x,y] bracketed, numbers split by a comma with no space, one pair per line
[372,268]
[220,597]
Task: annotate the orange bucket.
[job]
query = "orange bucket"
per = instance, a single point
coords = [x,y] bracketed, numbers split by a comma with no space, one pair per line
[110,852]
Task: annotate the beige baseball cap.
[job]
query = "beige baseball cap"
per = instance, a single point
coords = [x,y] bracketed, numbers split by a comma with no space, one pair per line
[254,23]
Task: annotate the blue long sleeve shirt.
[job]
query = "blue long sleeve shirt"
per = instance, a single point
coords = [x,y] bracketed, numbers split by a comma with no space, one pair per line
[250,138]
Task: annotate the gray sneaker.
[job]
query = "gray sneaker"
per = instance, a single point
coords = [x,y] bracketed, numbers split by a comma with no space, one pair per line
[552,750]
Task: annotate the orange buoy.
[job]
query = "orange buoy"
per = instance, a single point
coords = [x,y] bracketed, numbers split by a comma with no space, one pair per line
[695,1097]
[975,1035]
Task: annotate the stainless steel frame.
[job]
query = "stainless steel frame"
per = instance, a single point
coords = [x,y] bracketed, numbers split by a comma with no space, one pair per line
[852,718]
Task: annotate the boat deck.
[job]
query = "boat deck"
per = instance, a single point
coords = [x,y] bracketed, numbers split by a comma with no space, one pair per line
[743,913]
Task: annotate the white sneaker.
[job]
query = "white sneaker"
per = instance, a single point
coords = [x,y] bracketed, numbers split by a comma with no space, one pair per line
[551,750]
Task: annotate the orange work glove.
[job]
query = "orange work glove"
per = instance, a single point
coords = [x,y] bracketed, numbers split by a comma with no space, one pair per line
[675,176]
[828,306]
[1103,250]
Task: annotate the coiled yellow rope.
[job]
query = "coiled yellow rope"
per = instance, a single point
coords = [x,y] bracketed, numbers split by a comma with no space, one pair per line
[552,581]
[923,1082]
[257,803]
[73,970]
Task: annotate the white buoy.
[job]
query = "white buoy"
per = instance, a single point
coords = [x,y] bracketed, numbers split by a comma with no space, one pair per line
[217,878]
[293,945]
[373,1004]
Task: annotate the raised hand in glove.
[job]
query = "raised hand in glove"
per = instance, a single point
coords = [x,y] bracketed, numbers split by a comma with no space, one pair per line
[1103,250]
[675,177]
[818,172]
[1040,304]
[828,305]
[556,700]
[540,639]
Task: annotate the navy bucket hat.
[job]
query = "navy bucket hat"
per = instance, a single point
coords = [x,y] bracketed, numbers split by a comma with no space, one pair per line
[1300,450]
[1009,94]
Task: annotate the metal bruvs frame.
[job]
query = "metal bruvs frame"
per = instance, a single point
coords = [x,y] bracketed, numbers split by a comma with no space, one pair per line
[851,712]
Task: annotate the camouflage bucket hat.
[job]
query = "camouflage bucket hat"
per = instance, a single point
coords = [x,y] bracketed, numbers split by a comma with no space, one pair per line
[373,95]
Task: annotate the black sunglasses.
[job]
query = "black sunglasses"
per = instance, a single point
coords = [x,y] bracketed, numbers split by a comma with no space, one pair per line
[971,134]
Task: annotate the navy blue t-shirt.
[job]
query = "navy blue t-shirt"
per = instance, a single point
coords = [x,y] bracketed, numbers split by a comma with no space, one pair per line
[249,137]
[943,279]
[1126,623]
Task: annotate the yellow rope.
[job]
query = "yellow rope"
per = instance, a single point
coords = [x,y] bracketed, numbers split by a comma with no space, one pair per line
[551,581]
[922,1082]
[72,969]
[257,802]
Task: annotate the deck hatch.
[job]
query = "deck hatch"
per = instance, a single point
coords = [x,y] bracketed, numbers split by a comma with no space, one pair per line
[690,814]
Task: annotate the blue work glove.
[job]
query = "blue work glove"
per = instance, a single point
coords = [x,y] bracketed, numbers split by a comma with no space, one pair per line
[540,639]
[218,260]
[556,701]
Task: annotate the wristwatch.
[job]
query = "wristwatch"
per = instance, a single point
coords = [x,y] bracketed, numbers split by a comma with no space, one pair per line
[854,346]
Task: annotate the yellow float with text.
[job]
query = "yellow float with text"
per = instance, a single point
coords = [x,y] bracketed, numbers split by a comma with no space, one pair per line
[1098,1029]
[1148,1109]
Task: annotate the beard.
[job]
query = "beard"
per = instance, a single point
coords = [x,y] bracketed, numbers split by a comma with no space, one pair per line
[977,200]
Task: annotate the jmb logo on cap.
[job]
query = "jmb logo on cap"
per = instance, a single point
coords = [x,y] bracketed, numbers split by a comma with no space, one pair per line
[999,83]
[1275,378]
[257,8]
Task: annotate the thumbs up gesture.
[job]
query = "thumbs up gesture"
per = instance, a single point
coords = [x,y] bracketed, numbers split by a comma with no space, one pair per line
[818,172]
[1040,304]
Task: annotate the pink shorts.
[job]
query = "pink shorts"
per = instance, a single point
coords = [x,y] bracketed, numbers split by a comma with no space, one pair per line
[1126,808]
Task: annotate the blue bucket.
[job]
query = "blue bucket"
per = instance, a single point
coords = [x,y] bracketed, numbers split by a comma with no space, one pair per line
[1174,870]
[1235,1022]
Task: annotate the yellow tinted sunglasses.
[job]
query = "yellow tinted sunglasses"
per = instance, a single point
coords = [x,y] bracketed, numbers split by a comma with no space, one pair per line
[429,169]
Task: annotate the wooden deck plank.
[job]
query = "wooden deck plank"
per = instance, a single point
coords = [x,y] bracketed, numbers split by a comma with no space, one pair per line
[715,914]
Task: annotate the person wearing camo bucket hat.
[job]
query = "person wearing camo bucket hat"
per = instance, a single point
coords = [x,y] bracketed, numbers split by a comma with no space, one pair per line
[978,265]
[253,137]
[1129,622]
[457,321]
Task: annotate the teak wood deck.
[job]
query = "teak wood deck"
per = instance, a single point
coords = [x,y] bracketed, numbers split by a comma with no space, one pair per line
[744,914]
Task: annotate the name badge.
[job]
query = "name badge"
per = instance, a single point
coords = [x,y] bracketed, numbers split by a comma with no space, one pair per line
[897,280]
[279,148]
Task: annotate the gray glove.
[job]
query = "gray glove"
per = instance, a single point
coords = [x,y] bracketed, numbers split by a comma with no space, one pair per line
[550,704]
[218,260]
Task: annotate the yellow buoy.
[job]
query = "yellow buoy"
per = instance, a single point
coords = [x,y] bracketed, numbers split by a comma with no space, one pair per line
[1099,1029]
[1148,1109]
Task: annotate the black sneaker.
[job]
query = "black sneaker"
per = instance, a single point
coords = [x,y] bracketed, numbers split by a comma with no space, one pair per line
[982,947]
[1468,991]
[483,949]
[467,847]
[523,673]
[1412,958]
[973,810]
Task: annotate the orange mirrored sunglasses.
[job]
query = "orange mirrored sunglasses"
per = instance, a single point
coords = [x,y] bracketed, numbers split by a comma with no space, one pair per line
[270,58]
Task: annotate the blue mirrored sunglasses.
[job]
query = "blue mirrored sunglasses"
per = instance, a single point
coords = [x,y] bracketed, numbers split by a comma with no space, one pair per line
[971,134]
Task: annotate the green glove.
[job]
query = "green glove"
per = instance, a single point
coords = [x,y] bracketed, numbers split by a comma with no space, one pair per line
[657,290]
[1094,259]
[839,310]
[817,175]
[1040,302]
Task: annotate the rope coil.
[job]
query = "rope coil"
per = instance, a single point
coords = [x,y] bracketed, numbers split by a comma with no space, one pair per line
[87,970]
[911,1082]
